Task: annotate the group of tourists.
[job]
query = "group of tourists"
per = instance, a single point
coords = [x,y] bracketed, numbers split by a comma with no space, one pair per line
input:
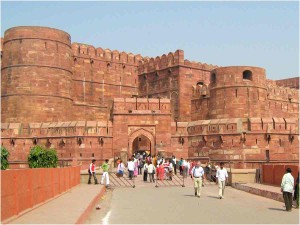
[92,172]
[166,168]
[198,176]
[148,166]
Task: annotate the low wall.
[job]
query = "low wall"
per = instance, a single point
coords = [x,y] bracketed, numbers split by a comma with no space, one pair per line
[241,175]
[272,174]
[26,188]
[260,192]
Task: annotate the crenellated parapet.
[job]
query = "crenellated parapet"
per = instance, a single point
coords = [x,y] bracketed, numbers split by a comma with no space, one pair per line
[289,82]
[199,65]
[265,125]
[215,126]
[170,60]
[56,129]
[141,106]
[161,62]
[86,51]
[288,94]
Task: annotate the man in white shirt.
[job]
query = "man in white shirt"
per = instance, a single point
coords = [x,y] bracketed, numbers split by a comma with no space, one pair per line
[151,172]
[222,177]
[185,168]
[130,166]
[287,187]
[175,161]
[197,176]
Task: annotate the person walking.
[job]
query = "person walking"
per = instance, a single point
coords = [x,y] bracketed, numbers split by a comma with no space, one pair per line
[161,172]
[296,193]
[185,168]
[130,166]
[222,177]
[136,164]
[174,161]
[140,166]
[151,172]
[180,166]
[145,172]
[92,172]
[287,186]
[197,176]
[120,170]
[105,168]
[171,169]
[154,160]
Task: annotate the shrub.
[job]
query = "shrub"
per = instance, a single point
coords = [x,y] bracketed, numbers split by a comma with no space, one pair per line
[4,158]
[40,157]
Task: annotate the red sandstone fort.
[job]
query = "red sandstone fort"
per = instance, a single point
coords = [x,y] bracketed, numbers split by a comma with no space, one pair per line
[89,102]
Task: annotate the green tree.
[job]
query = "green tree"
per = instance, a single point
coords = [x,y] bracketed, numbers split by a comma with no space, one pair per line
[40,157]
[4,158]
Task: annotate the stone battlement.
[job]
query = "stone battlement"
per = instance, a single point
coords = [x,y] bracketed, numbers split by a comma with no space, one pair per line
[141,105]
[289,82]
[107,55]
[57,129]
[172,59]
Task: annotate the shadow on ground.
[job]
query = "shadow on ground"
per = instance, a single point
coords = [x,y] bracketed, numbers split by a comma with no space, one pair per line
[213,197]
[277,209]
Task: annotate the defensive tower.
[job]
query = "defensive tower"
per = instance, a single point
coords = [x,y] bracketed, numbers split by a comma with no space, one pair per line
[36,75]
[237,92]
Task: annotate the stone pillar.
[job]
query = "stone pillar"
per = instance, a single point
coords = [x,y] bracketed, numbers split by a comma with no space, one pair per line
[124,155]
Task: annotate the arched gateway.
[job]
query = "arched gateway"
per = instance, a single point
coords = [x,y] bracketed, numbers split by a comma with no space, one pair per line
[141,140]
[139,124]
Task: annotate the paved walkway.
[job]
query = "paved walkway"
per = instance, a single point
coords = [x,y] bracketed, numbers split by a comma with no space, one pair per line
[72,207]
[147,204]
[178,205]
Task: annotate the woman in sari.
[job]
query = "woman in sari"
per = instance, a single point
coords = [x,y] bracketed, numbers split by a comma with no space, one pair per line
[161,171]
[136,164]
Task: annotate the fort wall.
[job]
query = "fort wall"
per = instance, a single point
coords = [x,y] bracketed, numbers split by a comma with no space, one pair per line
[245,142]
[36,67]
[89,102]
[173,77]
[101,75]
[82,140]
[289,82]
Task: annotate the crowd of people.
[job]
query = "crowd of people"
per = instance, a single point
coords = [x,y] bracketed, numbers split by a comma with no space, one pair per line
[164,168]
[147,165]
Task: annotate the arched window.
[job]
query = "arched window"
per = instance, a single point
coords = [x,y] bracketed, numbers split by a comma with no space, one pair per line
[213,78]
[247,75]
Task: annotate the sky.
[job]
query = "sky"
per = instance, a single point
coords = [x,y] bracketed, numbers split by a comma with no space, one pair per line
[263,34]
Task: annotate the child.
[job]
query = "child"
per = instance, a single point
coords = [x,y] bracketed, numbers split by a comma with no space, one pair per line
[92,172]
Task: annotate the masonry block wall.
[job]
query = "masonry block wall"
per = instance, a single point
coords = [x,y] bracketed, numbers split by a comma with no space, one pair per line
[80,140]
[134,117]
[89,102]
[36,67]
[244,119]
[98,77]
[173,77]
[289,82]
